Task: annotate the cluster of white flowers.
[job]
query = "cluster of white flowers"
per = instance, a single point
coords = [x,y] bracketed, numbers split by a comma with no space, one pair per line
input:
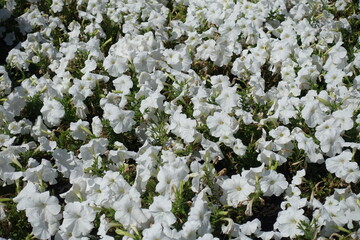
[108,119]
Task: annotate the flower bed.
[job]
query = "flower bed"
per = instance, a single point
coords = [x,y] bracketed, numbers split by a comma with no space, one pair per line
[206,119]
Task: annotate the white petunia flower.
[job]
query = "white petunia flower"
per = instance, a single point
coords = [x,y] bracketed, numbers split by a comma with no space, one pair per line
[53,111]
[183,127]
[273,183]
[156,231]
[237,190]
[92,150]
[65,161]
[120,120]
[78,130]
[160,209]
[78,218]
[334,78]
[343,167]
[129,213]
[115,66]
[281,135]
[57,6]
[123,84]
[207,236]
[43,172]
[288,220]
[228,98]
[221,124]
[42,210]
[239,148]
[96,126]
[170,176]
[312,113]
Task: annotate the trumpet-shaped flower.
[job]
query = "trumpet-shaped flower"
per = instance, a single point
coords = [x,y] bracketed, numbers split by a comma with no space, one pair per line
[221,124]
[120,120]
[92,150]
[43,172]
[78,218]
[42,210]
[312,113]
[343,167]
[53,111]
[334,78]
[81,89]
[183,127]
[129,213]
[170,176]
[64,160]
[237,190]
[273,183]
[78,129]
[160,209]
[123,84]
[57,6]
[205,50]
[155,232]
[288,220]
[239,148]
[115,65]
[228,98]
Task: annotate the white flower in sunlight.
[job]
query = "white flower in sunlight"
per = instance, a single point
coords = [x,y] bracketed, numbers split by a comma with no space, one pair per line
[352,172]
[123,84]
[42,210]
[81,89]
[273,183]
[334,77]
[239,148]
[53,111]
[153,102]
[129,212]
[281,135]
[115,66]
[42,172]
[92,150]
[96,126]
[207,236]
[183,127]
[221,124]
[171,175]
[160,209]
[64,161]
[288,220]
[312,150]
[77,130]
[343,167]
[90,65]
[200,213]
[237,190]
[57,6]
[120,120]
[2,212]
[155,232]
[204,51]
[344,118]
[228,98]
[312,113]
[78,218]
[143,62]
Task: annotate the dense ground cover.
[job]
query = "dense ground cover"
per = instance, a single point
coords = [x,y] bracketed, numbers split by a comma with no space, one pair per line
[206,119]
